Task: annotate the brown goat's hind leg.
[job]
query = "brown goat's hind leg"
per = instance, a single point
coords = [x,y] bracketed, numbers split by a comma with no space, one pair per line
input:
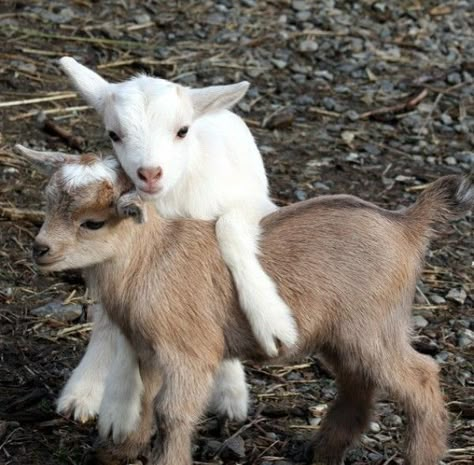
[345,421]
[413,380]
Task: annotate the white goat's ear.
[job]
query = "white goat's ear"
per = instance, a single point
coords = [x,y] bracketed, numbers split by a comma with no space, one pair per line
[89,84]
[46,162]
[130,205]
[215,98]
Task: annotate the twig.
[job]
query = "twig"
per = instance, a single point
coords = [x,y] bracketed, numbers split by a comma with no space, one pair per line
[93,40]
[409,105]
[30,101]
[15,214]
[75,142]
[51,111]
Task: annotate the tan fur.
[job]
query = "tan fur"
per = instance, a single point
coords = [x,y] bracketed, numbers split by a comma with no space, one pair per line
[348,270]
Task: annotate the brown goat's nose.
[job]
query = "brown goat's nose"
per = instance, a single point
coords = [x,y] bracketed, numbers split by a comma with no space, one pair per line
[39,250]
[149,175]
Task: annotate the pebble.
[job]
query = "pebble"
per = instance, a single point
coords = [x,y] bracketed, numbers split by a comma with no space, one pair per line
[466,157]
[324,74]
[352,115]
[437,299]
[374,427]
[393,420]
[142,18]
[321,186]
[451,161]
[446,119]
[465,338]
[58,311]
[300,5]
[300,195]
[457,295]
[419,321]
[308,46]
[329,103]
[234,448]
[454,78]
[280,120]
[249,3]
[442,357]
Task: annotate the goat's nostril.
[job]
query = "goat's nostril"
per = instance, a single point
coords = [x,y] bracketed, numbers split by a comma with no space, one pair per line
[39,250]
[149,175]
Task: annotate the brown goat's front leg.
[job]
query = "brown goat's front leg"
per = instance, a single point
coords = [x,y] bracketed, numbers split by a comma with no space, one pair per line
[137,443]
[182,400]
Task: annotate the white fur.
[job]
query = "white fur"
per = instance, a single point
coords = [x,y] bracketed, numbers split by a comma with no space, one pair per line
[120,409]
[77,175]
[83,393]
[215,172]
[230,396]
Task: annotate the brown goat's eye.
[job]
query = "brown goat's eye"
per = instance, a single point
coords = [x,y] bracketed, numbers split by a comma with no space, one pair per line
[92,224]
[113,135]
[182,132]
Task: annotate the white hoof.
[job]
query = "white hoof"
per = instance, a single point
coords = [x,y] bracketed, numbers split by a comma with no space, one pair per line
[80,400]
[230,397]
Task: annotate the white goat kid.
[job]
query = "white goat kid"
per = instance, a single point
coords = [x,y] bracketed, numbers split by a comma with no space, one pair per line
[192,157]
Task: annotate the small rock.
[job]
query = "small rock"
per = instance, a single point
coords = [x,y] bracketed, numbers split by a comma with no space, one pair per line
[308,46]
[437,299]
[466,338]
[142,18]
[321,186]
[352,115]
[352,157]
[59,311]
[446,119]
[315,421]
[280,64]
[457,295]
[300,5]
[329,103]
[466,157]
[374,457]
[248,3]
[393,420]
[451,161]
[324,74]
[283,119]
[374,427]
[454,78]
[303,15]
[442,357]
[420,322]
[234,448]
[213,447]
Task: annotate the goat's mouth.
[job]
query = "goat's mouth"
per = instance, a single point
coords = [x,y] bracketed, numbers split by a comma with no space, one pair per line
[149,193]
[46,263]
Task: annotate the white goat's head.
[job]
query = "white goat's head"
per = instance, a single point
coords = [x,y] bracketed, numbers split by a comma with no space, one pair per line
[150,122]
[86,199]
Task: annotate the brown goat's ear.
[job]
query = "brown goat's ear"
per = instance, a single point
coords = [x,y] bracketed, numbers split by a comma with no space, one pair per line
[130,205]
[46,162]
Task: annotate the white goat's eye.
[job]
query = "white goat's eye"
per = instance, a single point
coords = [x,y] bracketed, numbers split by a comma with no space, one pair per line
[182,132]
[114,136]
[90,224]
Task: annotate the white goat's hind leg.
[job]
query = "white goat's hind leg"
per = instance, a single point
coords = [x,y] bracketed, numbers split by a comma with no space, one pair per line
[82,395]
[269,316]
[230,394]
[120,409]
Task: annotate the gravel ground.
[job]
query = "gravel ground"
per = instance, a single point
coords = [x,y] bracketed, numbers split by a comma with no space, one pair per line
[372,98]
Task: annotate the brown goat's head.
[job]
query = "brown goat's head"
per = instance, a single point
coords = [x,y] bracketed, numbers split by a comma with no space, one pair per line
[87,197]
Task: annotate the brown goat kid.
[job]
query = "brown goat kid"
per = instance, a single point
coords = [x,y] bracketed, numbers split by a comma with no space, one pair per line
[347,268]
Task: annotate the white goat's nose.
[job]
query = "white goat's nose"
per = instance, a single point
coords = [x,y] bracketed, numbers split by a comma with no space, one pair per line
[149,175]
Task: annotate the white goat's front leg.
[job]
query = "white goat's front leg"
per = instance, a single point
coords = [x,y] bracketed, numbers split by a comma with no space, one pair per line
[230,393]
[269,316]
[120,409]
[82,395]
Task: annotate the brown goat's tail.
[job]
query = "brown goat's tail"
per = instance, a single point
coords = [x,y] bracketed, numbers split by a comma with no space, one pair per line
[446,199]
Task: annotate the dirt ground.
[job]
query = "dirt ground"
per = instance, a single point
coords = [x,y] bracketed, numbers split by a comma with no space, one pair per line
[372,98]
